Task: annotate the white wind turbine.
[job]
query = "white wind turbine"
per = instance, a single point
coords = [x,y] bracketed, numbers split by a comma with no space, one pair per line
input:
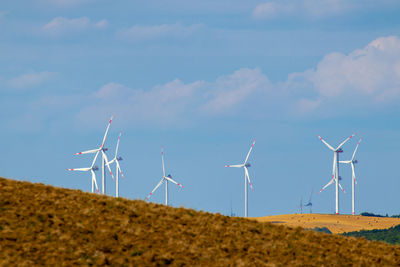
[335,169]
[353,174]
[92,169]
[164,178]
[104,158]
[245,165]
[117,159]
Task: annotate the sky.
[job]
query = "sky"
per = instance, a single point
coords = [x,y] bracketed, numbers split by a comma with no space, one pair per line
[204,79]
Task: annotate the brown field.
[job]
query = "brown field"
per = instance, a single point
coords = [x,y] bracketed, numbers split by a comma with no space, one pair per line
[47,226]
[335,223]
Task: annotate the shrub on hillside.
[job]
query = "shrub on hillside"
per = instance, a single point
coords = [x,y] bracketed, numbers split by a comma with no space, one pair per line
[370,214]
[322,229]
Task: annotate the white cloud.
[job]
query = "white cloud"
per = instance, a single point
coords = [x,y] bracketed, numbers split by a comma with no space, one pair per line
[271,10]
[101,24]
[61,25]
[145,33]
[31,79]
[230,90]
[163,103]
[372,71]
[309,8]
[176,101]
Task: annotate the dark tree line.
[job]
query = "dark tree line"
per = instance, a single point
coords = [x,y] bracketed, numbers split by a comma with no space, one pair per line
[391,235]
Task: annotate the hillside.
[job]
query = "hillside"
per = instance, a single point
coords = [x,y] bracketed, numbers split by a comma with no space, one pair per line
[43,225]
[335,223]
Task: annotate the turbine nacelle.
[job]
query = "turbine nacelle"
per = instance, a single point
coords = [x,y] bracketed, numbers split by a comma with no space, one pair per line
[247,165]
[169,176]
[339,150]
[95,168]
[119,159]
[104,149]
[355,161]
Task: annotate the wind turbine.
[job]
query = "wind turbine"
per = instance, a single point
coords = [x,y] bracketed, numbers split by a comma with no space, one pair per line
[301,205]
[245,165]
[353,174]
[92,169]
[104,158]
[117,159]
[309,204]
[164,179]
[335,169]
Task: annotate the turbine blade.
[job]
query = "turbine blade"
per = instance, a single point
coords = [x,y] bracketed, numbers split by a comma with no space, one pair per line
[348,138]
[155,188]
[328,145]
[95,158]
[355,150]
[116,149]
[119,168]
[345,161]
[342,188]
[162,159]
[88,151]
[235,166]
[248,178]
[95,181]
[105,135]
[353,173]
[111,161]
[108,165]
[172,181]
[80,169]
[328,184]
[312,191]
[248,154]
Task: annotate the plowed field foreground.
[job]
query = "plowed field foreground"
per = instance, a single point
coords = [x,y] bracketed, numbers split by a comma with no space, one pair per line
[337,224]
[43,225]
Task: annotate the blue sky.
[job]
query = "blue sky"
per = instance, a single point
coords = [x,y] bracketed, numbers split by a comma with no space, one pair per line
[204,78]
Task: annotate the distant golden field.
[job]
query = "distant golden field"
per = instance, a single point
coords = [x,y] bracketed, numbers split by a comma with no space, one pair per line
[47,226]
[335,223]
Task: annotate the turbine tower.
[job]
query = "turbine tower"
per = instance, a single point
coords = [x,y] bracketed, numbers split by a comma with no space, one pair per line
[353,175]
[117,159]
[104,158]
[92,169]
[245,165]
[165,179]
[301,205]
[335,169]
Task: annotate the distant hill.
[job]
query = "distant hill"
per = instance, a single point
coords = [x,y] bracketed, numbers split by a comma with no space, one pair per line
[336,224]
[47,226]
[391,235]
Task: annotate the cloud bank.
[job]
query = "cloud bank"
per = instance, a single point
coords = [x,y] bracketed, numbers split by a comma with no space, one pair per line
[363,80]
[315,9]
[138,33]
[370,74]
[60,25]
[31,79]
